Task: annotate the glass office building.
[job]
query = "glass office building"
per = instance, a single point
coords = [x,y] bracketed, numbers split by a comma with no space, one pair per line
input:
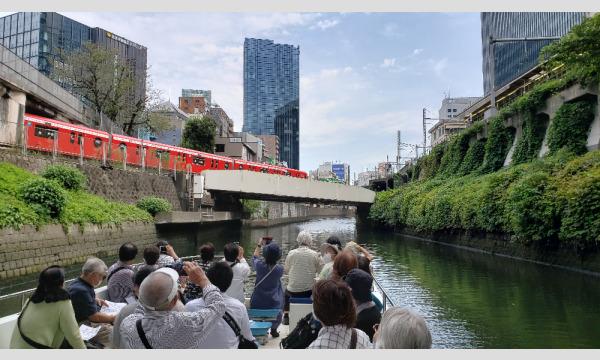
[512,59]
[38,37]
[272,93]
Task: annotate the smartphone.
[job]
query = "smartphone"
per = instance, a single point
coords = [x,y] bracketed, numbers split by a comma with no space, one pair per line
[163,249]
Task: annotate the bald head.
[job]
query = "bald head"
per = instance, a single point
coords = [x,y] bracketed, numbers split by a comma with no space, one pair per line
[158,291]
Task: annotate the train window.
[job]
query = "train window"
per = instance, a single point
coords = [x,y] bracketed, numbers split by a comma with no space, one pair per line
[123,146]
[97,142]
[198,160]
[41,131]
[216,163]
[158,152]
[137,150]
[264,171]
[226,166]
[79,139]
[241,167]
[72,138]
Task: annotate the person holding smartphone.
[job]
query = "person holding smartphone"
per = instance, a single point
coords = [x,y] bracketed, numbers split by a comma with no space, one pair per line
[167,254]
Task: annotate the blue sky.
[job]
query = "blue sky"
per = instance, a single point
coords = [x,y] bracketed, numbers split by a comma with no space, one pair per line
[363,76]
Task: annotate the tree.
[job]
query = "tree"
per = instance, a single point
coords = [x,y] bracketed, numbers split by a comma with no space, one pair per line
[108,84]
[199,134]
[578,51]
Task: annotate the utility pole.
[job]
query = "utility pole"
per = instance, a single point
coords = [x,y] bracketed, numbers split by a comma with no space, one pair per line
[398,151]
[424,130]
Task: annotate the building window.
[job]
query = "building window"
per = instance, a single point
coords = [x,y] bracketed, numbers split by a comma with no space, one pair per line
[220,148]
[449,110]
[453,110]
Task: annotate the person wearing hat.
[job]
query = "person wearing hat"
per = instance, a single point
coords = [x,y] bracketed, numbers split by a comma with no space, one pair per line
[302,265]
[328,254]
[157,325]
[268,290]
[367,314]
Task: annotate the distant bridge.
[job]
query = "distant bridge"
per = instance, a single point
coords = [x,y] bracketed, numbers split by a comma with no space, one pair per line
[254,185]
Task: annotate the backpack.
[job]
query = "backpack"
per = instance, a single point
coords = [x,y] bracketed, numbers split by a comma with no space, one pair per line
[305,332]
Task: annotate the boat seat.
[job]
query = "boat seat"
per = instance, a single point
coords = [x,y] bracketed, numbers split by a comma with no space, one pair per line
[263,314]
[260,330]
[299,308]
[377,302]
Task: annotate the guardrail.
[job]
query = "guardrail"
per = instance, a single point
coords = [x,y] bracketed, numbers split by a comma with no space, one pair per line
[386,297]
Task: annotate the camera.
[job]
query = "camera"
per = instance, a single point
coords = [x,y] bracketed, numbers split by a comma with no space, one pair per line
[178,266]
[267,239]
[163,249]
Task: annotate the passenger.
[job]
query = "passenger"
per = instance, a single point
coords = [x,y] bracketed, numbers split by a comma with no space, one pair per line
[343,263]
[402,329]
[161,326]
[234,256]
[85,303]
[167,254]
[221,335]
[335,241]
[358,250]
[334,308]
[268,290]
[120,274]
[329,252]
[207,255]
[302,265]
[367,313]
[48,317]
[151,256]
[129,309]
[365,264]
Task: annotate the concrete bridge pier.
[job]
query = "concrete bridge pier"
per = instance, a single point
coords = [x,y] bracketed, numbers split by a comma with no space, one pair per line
[12,110]
[362,215]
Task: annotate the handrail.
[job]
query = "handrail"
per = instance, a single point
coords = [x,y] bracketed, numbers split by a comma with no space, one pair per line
[25,293]
[386,297]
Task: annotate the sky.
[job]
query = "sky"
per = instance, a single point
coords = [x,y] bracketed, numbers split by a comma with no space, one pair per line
[363,76]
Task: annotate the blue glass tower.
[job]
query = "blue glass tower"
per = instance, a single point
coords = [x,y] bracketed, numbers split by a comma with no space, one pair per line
[272,94]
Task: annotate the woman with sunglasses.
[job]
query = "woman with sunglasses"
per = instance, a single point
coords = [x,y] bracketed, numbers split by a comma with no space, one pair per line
[48,317]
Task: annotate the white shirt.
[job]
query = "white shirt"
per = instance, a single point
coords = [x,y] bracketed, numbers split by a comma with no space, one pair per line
[302,265]
[241,271]
[221,335]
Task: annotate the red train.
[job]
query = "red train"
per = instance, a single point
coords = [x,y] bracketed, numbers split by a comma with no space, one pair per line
[50,135]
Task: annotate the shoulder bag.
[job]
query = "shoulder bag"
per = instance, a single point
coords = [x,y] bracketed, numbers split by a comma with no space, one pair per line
[32,343]
[244,343]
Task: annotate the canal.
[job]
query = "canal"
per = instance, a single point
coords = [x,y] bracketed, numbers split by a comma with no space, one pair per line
[469,299]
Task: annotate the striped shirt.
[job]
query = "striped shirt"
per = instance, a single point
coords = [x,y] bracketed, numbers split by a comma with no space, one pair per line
[339,337]
[302,265]
[172,329]
[120,284]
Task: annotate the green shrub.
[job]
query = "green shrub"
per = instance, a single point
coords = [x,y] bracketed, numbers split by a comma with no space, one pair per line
[570,126]
[45,196]
[498,143]
[83,208]
[69,177]
[154,205]
[250,207]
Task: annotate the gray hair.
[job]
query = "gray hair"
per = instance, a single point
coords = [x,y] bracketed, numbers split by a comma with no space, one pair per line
[155,289]
[403,329]
[304,238]
[93,265]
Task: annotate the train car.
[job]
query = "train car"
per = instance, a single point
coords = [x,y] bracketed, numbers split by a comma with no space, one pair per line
[48,135]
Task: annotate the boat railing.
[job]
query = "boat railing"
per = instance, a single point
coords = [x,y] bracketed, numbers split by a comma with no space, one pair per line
[25,294]
[386,298]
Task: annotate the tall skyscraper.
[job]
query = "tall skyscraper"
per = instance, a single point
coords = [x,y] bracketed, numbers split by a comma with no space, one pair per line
[512,59]
[272,93]
[39,37]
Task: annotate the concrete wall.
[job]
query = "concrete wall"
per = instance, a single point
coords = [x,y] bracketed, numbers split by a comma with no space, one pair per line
[117,185]
[274,213]
[28,251]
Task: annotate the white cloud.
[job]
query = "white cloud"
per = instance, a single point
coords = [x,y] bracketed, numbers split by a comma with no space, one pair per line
[325,24]
[439,66]
[388,63]
[391,30]
[417,51]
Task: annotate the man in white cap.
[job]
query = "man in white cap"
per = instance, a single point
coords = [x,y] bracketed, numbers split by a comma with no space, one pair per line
[302,265]
[156,324]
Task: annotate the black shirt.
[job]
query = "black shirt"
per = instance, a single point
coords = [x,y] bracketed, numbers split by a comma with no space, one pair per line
[366,319]
[83,298]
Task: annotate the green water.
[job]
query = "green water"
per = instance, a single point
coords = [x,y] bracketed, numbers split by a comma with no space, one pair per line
[469,299]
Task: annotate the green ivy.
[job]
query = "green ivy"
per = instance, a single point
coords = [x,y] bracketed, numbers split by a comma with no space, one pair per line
[473,158]
[530,142]
[570,126]
[497,145]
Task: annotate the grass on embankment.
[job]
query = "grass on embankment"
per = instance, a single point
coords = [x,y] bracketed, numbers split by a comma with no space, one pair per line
[552,201]
[81,207]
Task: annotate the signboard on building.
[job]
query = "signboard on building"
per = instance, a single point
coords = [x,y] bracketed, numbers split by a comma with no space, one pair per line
[338,170]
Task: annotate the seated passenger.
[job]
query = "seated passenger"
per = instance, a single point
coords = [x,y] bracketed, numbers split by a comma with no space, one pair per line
[302,265]
[48,317]
[207,255]
[120,274]
[367,314]
[234,256]
[221,335]
[129,309]
[345,261]
[335,241]
[151,256]
[402,329]
[161,327]
[358,250]
[334,308]
[167,254]
[85,303]
[329,252]
[268,290]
